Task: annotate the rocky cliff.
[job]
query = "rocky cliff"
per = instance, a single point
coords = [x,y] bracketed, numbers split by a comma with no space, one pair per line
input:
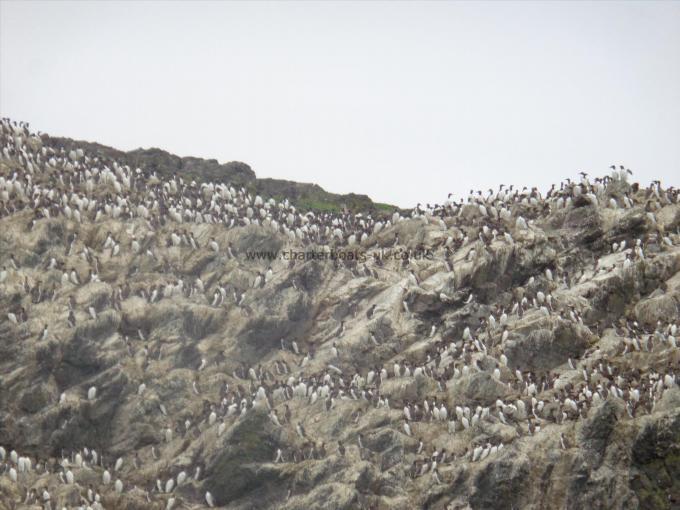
[169,345]
[307,196]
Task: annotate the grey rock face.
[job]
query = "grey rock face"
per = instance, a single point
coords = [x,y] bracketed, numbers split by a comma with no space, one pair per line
[234,471]
[542,349]
[530,362]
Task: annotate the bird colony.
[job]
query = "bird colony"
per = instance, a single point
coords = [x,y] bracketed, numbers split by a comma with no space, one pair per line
[507,349]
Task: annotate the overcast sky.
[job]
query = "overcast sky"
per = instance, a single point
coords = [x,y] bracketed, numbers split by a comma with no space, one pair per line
[402,101]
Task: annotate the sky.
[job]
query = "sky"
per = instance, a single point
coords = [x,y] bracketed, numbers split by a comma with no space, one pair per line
[405,102]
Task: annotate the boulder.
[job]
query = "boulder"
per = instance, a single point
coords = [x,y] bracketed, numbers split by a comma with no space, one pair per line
[660,308]
[480,388]
[501,483]
[597,429]
[656,462]
[234,470]
[586,223]
[542,349]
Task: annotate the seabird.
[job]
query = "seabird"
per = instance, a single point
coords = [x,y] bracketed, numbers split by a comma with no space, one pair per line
[369,312]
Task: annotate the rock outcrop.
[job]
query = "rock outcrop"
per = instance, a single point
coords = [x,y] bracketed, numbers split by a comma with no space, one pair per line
[187,346]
